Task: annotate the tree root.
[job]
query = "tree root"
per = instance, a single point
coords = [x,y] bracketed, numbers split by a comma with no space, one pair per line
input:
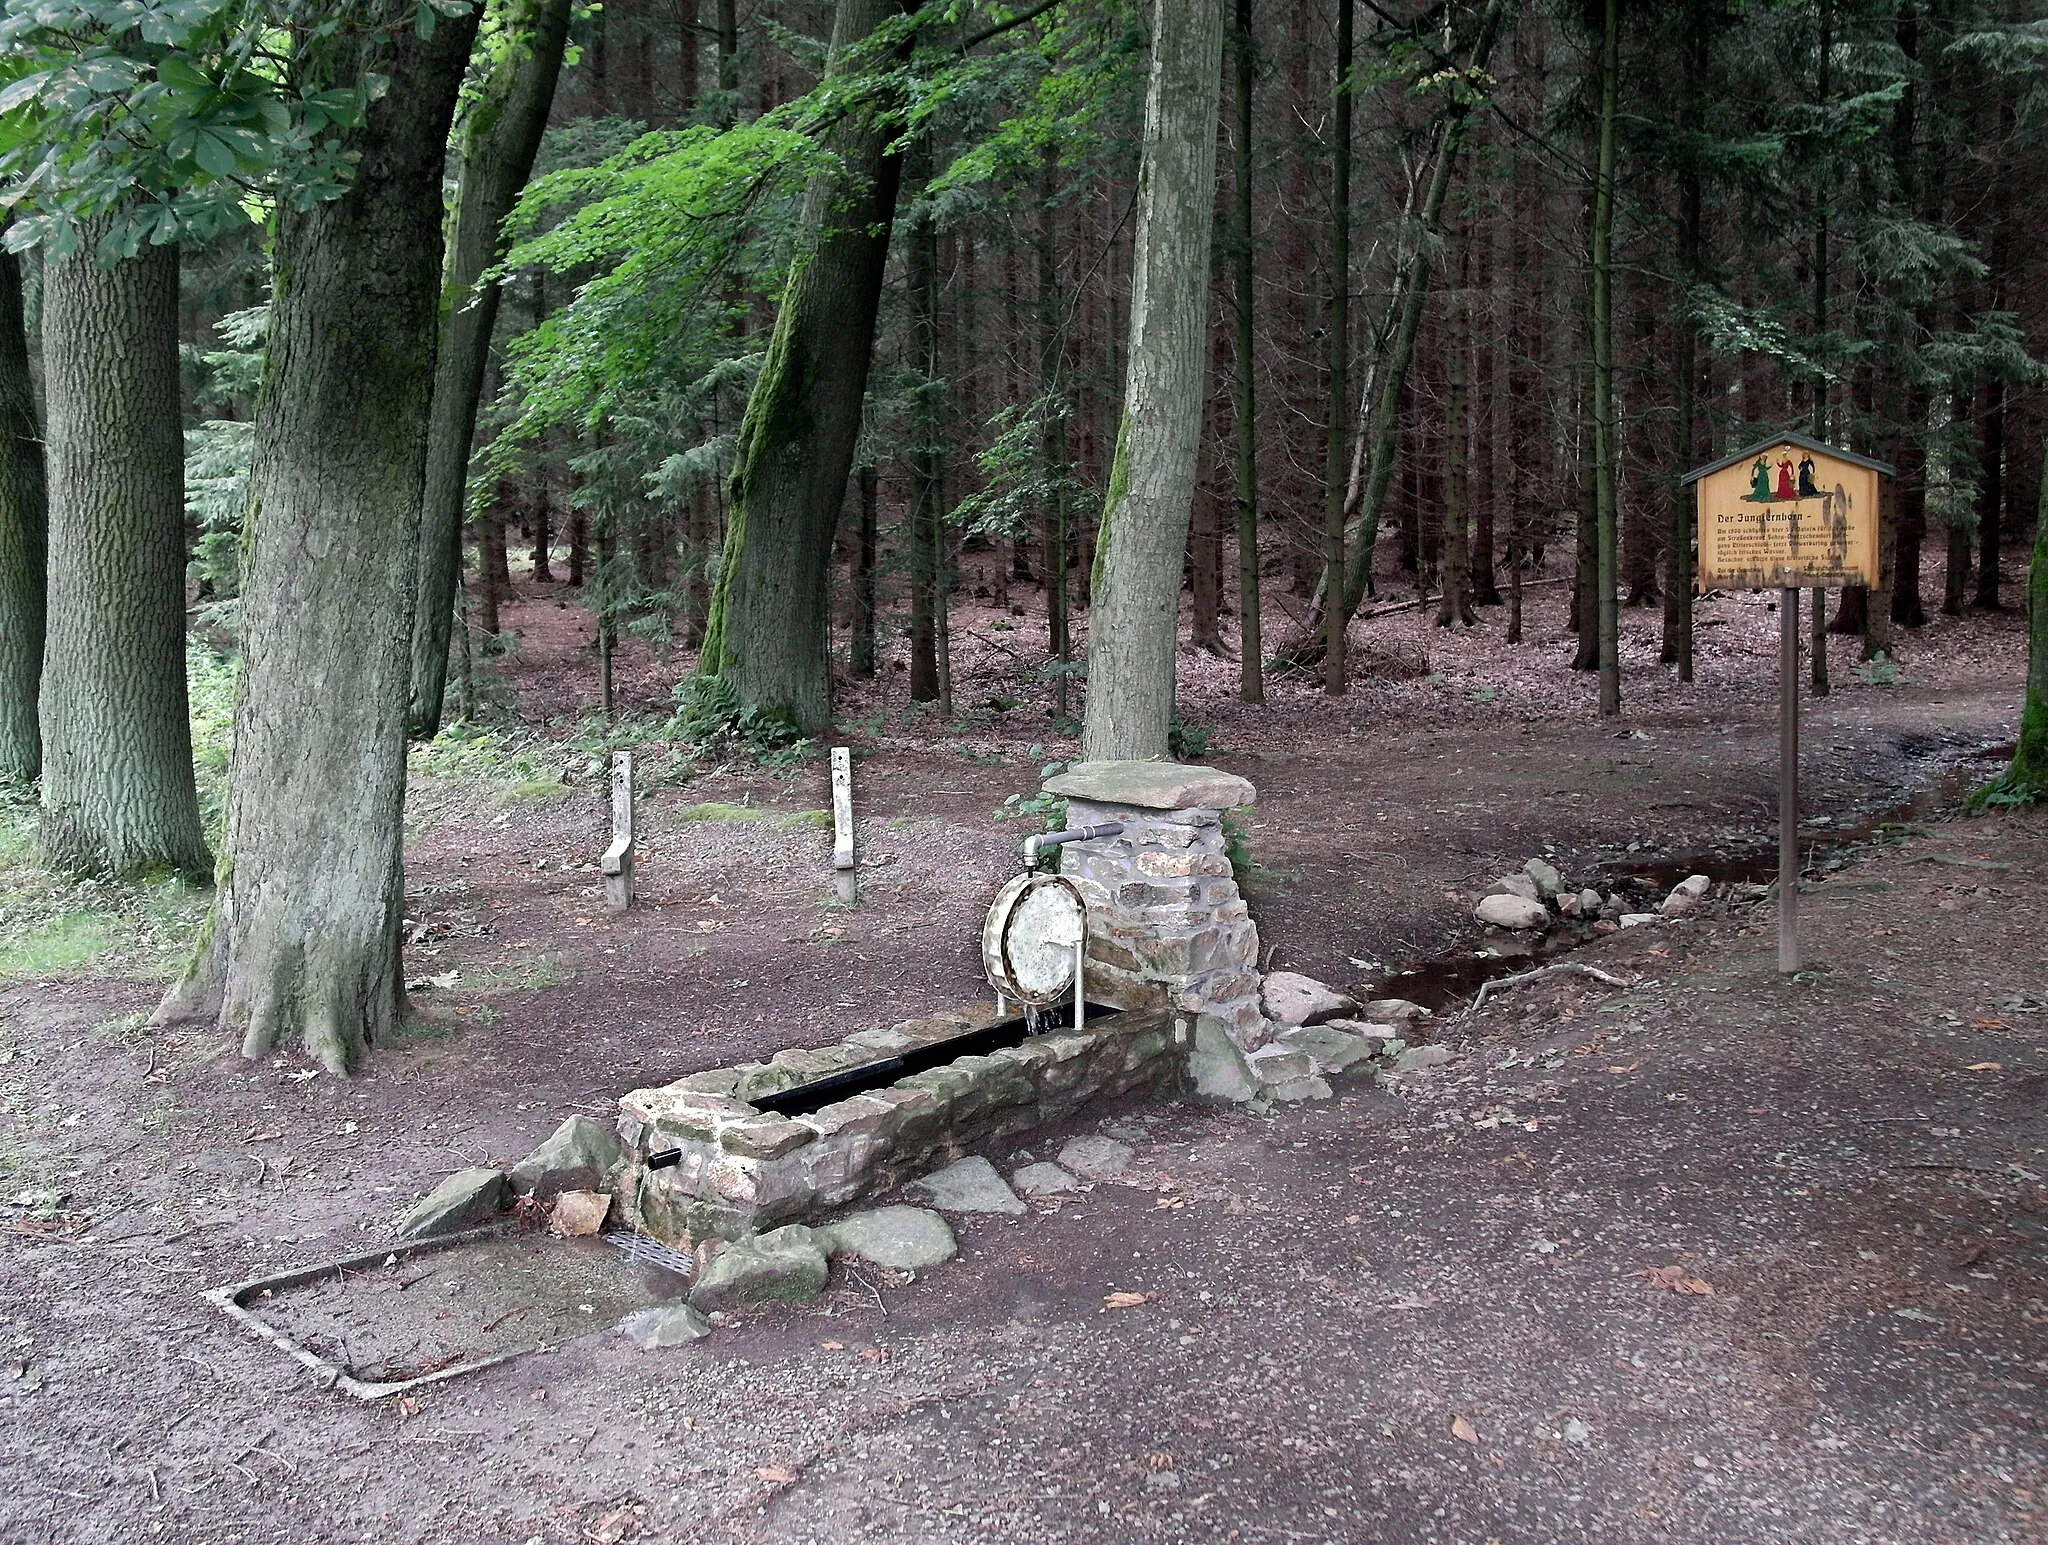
[1503,983]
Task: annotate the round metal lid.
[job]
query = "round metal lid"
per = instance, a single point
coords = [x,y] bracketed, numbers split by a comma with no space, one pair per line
[1027,944]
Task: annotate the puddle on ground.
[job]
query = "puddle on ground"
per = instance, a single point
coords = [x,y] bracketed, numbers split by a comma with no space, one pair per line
[428,1312]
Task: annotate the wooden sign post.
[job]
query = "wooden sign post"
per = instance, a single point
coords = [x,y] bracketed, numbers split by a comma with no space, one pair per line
[1798,514]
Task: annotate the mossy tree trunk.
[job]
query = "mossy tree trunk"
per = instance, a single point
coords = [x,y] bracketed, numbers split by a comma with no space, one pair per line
[118,796]
[24,531]
[499,140]
[2029,770]
[1133,622]
[770,615]
[305,934]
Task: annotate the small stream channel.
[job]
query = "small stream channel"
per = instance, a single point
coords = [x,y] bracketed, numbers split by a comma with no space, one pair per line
[1451,980]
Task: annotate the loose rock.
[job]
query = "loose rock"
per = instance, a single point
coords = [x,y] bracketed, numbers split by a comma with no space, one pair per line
[1685,895]
[1393,1011]
[1043,1180]
[782,1266]
[967,1185]
[1516,912]
[468,1198]
[1515,885]
[1548,880]
[1637,919]
[1331,1049]
[1568,903]
[1589,903]
[580,1155]
[671,1324]
[1294,999]
[903,1238]
[578,1214]
[1095,1158]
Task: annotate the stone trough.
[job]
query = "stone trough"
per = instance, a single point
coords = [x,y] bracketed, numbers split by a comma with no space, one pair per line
[1170,973]
[738,1168]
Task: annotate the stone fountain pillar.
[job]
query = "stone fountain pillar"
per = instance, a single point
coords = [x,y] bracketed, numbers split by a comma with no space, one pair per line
[1166,926]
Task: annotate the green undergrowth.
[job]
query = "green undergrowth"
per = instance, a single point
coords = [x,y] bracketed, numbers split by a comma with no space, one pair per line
[51,925]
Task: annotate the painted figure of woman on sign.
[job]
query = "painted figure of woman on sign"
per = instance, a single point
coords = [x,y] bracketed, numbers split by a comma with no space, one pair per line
[1806,488]
[1760,482]
[1785,489]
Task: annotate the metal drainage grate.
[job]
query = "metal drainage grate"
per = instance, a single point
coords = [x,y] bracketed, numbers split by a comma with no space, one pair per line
[654,1253]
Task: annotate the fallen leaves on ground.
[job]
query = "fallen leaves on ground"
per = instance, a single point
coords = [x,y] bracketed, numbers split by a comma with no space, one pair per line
[1463,1431]
[1674,1279]
[776,1475]
[833,1346]
[1127,1300]
[1985,1067]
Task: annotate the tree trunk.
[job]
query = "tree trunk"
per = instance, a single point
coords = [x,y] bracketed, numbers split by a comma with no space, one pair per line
[1203,589]
[1056,470]
[1136,586]
[118,796]
[769,626]
[305,933]
[24,541]
[1414,288]
[1604,447]
[541,567]
[1336,618]
[490,569]
[500,137]
[2028,774]
[579,540]
[1251,677]
[863,650]
[1455,607]
[1990,496]
[926,447]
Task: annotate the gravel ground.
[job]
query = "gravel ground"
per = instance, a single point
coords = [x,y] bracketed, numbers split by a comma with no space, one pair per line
[1423,1310]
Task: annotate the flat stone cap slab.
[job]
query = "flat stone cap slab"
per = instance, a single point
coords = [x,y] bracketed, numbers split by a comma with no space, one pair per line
[1152,786]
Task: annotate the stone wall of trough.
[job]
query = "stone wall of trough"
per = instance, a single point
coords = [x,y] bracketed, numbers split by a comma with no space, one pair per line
[746,1169]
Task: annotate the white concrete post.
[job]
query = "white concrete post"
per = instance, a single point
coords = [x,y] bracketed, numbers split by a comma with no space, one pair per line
[618,858]
[845,875]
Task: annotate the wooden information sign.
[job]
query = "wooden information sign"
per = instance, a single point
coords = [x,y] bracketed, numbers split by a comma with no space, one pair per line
[1797,514]
[1788,511]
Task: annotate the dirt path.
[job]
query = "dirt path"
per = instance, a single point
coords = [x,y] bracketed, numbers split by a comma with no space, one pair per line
[1336,1285]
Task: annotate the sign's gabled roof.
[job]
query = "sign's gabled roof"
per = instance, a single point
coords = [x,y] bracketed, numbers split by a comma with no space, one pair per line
[1806,442]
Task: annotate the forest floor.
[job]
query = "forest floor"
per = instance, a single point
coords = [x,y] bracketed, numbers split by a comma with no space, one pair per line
[1421,1311]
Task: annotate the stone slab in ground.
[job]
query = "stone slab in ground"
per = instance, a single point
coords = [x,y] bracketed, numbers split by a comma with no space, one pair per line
[967,1185]
[904,1238]
[1043,1180]
[468,1198]
[665,1325]
[1419,1059]
[1095,1158]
